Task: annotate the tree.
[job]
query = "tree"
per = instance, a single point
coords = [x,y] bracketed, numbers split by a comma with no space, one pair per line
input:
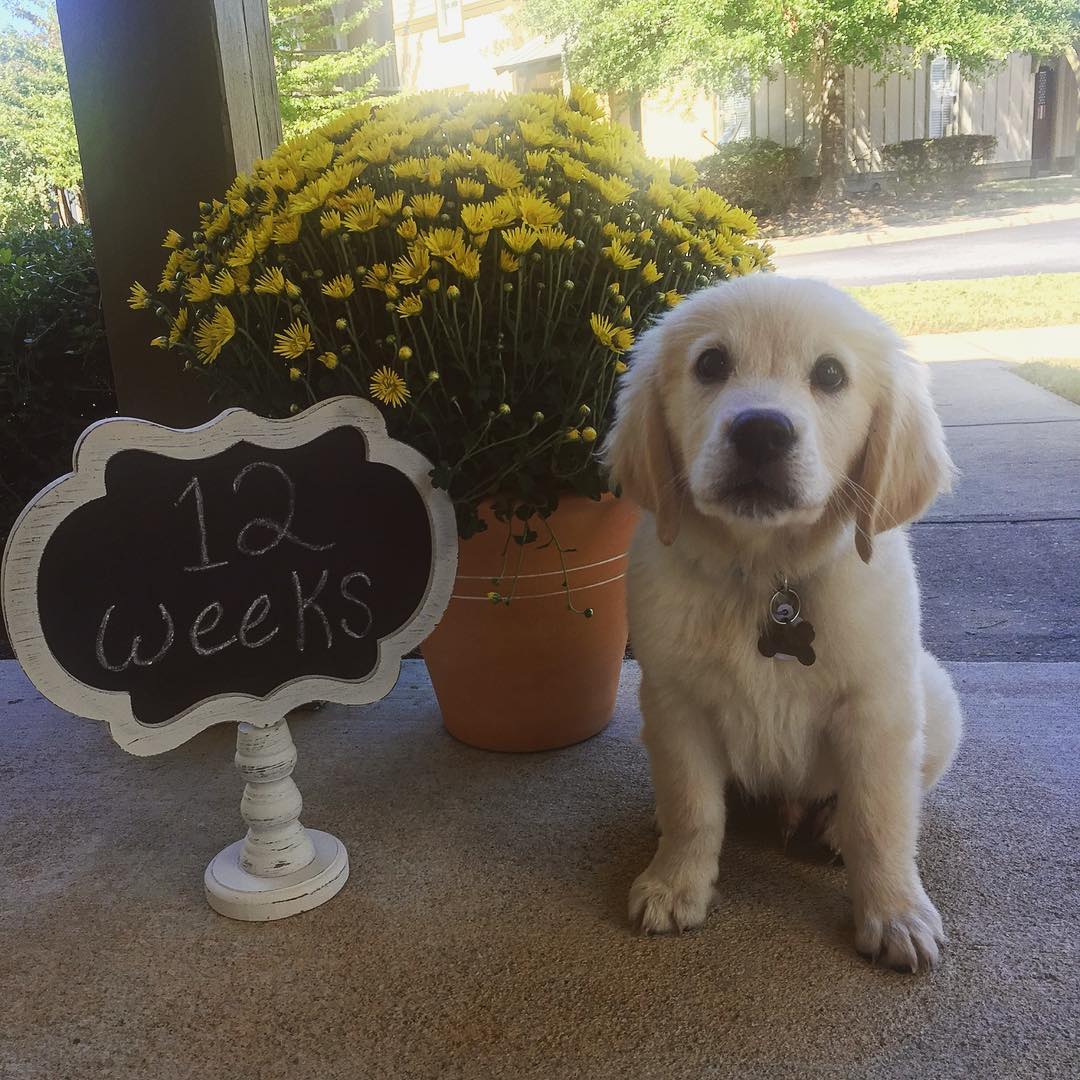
[639,46]
[315,78]
[39,154]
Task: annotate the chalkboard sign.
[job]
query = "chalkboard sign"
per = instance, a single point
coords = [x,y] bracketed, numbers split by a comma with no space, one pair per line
[177,579]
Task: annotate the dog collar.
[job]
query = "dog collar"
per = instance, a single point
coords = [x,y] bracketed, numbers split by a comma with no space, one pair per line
[786,635]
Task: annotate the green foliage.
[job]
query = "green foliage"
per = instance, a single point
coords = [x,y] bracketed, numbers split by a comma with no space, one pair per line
[316,80]
[757,174]
[55,377]
[477,265]
[646,45]
[948,161]
[38,151]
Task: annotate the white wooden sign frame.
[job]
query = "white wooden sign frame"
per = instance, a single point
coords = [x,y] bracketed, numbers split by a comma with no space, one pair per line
[26,544]
[279,868]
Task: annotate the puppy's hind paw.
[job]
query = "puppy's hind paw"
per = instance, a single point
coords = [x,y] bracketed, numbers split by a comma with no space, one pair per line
[662,906]
[907,940]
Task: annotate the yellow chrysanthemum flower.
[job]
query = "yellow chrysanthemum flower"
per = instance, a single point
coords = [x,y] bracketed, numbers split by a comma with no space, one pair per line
[244,251]
[411,269]
[198,289]
[537,134]
[160,342]
[295,374]
[410,169]
[620,367]
[270,282]
[172,239]
[467,263]
[292,290]
[428,205]
[476,217]
[537,160]
[390,205]
[377,277]
[536,211]
[616,338]
[519,240]
[555,238]
[467,188]
[508,262]
[287,230]
[340,287]
[650,273]
[294,342]
[212,335]
[179,326]
[671,298]
[328,360]
[224,283]
[330,222]
[407,229]
[411,305]
[621,256]
[444,242]
[504,174]
[389,387]
[139,298]
[363,218]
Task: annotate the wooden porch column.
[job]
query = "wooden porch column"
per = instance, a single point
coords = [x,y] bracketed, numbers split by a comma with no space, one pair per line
[171,101]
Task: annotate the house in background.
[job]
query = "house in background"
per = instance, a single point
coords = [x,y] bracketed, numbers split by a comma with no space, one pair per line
[1032,110]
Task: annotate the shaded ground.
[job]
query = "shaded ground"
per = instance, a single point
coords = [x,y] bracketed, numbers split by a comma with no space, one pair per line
[859,213]
[483,931]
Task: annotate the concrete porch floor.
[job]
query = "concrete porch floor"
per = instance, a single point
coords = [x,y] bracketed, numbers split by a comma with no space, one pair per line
[482,933]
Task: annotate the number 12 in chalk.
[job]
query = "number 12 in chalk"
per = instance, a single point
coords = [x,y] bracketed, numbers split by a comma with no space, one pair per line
[278,530]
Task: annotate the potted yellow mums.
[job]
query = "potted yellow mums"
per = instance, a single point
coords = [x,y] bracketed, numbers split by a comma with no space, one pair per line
[478,266]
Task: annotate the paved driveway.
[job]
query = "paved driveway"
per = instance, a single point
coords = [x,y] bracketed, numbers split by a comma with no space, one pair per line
[1049,247]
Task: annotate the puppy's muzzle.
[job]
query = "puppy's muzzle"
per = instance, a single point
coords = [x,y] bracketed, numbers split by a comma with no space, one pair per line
[758,481]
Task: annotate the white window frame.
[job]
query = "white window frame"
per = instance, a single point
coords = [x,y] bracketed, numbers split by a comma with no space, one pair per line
[734,111]
[450,16]
[942,92]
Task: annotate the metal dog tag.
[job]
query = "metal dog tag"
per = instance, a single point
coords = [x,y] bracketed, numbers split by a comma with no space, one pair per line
[786,635]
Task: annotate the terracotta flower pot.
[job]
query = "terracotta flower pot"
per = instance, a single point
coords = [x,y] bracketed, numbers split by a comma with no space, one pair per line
[531,675]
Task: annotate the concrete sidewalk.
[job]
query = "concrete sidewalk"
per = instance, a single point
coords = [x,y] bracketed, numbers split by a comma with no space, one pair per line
[891,234]
[1028,343]
[997,557]
[483,935]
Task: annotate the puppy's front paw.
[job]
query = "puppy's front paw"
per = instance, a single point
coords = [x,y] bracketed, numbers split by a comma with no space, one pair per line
[906,939]
[664,902]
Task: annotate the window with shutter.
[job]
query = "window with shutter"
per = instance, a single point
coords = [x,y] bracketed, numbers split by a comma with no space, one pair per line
[733,116]
[944,88]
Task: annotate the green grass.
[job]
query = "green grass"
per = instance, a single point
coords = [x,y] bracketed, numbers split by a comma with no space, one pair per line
[1060,377]
[1001,303]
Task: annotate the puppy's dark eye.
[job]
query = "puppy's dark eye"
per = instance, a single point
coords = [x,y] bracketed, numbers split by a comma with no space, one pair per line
[713,365]
[828,374]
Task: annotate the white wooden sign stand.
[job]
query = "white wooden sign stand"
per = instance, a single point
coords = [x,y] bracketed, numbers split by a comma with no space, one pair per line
[279,868]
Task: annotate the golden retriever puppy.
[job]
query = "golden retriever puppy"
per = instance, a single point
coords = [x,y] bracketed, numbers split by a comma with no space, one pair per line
[777,436]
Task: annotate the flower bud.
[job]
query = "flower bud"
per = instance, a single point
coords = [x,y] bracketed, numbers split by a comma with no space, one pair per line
[588,434]
[404,353]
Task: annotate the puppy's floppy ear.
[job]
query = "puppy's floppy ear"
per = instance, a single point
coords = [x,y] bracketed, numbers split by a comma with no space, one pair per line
[639,451]
[904,465]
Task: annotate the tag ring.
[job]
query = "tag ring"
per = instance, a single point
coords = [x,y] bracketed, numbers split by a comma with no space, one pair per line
[782,596]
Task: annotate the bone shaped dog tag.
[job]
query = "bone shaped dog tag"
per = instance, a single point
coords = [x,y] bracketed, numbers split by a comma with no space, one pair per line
[786,635]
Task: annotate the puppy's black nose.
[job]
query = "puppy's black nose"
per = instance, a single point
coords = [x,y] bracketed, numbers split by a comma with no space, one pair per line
[760,436]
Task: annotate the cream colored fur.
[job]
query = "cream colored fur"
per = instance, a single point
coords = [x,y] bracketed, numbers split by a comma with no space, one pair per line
[875,720]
